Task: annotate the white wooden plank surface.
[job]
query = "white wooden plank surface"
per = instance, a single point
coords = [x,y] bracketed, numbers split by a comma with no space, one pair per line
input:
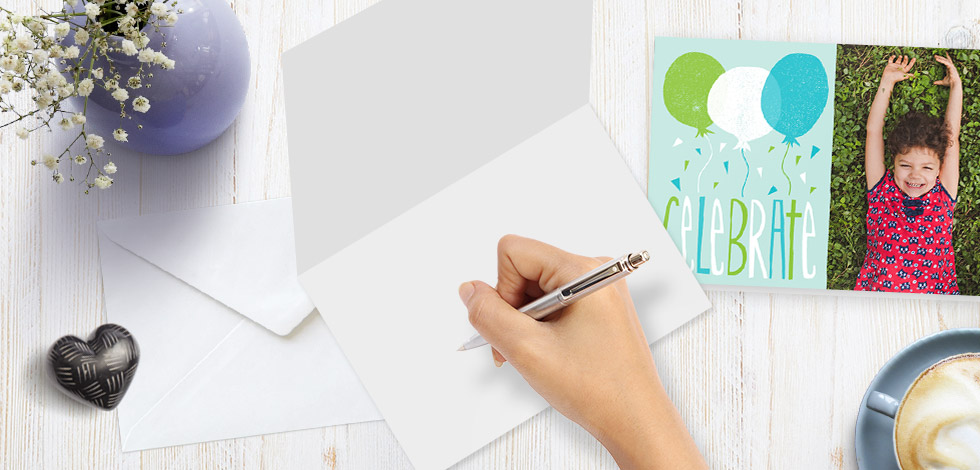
[763,381]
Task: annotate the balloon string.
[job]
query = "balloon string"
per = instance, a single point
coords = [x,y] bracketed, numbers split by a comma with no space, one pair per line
[711,155]
[782,167]
[746,172]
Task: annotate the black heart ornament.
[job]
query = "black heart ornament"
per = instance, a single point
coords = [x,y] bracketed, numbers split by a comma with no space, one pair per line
[97,371]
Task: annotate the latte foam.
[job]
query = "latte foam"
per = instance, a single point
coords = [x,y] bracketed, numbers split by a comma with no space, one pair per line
[938,424]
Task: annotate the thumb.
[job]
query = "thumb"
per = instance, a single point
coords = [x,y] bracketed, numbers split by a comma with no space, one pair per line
[497,321]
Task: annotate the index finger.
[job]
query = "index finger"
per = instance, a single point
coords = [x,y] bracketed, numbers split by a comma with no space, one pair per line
[524,265]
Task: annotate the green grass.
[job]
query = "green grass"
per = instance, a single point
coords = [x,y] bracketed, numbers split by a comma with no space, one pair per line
[858,75]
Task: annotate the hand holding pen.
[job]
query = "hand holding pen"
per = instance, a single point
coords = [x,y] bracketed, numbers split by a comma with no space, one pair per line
[602,276]
[590,360]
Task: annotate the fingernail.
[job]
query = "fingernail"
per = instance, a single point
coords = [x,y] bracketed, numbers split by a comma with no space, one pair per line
[466,291]
[496,362]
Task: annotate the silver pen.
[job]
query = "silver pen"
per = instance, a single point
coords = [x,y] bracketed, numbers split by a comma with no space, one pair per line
[567,294]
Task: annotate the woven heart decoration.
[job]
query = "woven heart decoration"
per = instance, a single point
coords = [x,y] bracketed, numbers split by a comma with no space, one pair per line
[97,371]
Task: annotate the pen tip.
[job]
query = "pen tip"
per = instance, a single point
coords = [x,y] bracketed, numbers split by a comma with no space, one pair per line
[462,348]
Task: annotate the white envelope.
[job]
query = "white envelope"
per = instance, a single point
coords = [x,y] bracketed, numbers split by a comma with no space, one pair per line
[228,346]
[420,132]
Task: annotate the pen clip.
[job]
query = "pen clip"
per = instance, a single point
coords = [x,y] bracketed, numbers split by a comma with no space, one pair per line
[592,279]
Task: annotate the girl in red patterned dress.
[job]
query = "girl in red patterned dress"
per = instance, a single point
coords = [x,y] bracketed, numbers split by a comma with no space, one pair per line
[910,209]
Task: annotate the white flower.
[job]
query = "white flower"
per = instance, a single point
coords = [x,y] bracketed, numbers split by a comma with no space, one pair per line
[65,91]
[85,87]
[164,61]
[141,104]
[126,24]
[62,29]
[79,159]
[44,101]
[17,19]
[97,73]
[129,47]
[172,19]
[159,9]
[50,161]
[57,177]
[103,181]
[111,84]
[109,168]
[23,133]
[54,78]
[92,10]
[120,135]
[36,26]
[146,55]
[81,37]
[132,9]
[66,124]
[71,52]
[135,82]
[5,86]
[142,40]
[120,94]
[78,118]
[9,62]
[23,43]
[41,56]
[94,142]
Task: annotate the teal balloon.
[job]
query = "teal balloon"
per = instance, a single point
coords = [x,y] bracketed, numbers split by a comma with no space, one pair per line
[686,88]
[795,95]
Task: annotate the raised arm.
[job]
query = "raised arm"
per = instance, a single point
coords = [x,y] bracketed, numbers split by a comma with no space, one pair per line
[874,145]
[949,175]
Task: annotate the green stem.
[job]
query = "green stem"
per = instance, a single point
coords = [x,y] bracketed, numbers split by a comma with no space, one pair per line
[782,167]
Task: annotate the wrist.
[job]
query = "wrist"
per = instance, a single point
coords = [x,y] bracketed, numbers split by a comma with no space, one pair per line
[644,430]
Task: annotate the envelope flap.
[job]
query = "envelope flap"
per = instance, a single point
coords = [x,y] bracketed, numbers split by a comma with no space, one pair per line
[396,103]
[241,255]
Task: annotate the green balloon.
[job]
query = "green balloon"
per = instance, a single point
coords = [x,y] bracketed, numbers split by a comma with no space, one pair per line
[686,88]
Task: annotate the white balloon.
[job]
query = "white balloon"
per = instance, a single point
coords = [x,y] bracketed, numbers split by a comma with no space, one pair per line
[735,104]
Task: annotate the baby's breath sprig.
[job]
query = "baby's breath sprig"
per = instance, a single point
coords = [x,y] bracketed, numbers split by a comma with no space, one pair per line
[52,58]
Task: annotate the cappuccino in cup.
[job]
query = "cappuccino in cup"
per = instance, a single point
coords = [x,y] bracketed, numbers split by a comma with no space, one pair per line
[937,426]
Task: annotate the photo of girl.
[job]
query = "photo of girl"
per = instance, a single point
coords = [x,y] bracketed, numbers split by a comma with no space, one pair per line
[910,208]
[905,231]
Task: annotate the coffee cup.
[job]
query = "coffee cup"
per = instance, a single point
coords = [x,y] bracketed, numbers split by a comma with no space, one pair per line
[937,420]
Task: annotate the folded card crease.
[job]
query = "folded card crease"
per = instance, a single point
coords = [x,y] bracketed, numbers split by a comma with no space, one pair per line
[424,103]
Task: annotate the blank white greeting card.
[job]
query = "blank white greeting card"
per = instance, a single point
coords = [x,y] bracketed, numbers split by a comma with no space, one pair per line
[424,131]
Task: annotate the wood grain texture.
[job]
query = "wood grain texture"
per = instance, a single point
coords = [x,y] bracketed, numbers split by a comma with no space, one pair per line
[763,381]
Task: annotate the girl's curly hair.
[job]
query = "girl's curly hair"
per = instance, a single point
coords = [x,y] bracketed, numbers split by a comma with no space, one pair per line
[919,130]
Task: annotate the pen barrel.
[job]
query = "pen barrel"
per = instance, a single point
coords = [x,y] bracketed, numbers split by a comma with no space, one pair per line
[543,307]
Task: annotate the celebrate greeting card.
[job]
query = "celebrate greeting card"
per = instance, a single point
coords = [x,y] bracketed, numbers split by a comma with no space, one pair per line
[817,166]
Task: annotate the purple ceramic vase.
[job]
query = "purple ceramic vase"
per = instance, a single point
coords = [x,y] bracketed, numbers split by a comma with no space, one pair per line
[190,105]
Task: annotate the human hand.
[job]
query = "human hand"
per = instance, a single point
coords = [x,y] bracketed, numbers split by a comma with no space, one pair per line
[952,75]
[590,360]
[896,70]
